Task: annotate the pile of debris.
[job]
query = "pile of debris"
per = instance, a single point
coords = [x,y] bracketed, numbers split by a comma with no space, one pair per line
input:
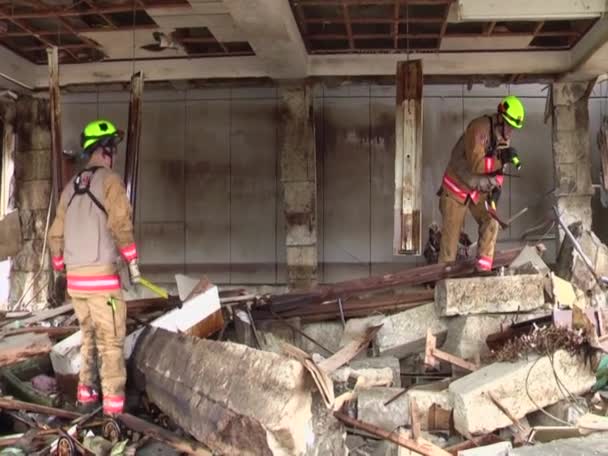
[434,360]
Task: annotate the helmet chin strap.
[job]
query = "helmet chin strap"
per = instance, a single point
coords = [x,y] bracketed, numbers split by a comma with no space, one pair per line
[109,151]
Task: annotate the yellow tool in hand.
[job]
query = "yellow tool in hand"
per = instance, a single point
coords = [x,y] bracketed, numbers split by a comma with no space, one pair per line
[154,288]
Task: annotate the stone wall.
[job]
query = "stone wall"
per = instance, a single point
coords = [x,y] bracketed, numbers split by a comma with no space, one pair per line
[31,121]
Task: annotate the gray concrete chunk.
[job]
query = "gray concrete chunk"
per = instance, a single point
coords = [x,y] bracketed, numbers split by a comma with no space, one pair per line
[513,384]
[405,332]
[480,295]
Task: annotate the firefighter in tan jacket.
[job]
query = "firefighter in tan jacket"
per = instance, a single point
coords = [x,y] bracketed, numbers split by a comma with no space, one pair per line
[474,177]
[92,226]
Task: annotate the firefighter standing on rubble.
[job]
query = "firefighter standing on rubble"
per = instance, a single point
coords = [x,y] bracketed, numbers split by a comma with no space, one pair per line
[473,180]
[94,223]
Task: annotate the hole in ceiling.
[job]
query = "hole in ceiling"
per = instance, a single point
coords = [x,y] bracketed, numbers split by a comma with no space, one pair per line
[322,11]
[371,29]
[330,28]
[420,27]
[329,45]
[371,11]
[551,42]
[423,11]
[472,28]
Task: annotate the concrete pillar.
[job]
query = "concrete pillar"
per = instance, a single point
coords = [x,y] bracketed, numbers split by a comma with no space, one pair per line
[572,151]
[31,119]
[299,183]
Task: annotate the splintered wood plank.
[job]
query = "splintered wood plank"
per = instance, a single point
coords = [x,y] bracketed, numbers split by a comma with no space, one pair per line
[21,347]
[407,239]
[602,143]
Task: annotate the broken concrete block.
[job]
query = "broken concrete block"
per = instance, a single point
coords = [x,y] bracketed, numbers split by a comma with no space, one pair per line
[364,377]
[327,333]
[467,335]
[480,295]
[497,449]
[372,409]
[529,262]
[474,411]
[379,363]
[405,332]
[235,399]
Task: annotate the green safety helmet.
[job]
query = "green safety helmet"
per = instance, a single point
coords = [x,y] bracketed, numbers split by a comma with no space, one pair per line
[100,133]
[512,110]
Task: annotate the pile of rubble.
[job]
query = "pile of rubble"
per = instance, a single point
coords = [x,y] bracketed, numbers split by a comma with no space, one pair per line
[434,360]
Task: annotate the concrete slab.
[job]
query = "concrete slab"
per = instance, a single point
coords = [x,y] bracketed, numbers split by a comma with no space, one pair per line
[405,332]
[480,295]
[513,384]
[234,399]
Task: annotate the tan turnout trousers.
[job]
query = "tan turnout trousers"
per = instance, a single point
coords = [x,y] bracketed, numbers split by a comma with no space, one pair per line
[453,213]
[103,335]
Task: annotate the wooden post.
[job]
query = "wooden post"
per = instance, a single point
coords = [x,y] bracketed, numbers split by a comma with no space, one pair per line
[407,239]
[62,167]
[602,145]
[133,137]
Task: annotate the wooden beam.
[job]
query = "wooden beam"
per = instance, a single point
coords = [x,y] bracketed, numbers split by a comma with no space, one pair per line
[419,446]
[12,404]
[407,235]
[133,137]
[62,169]
[432,355]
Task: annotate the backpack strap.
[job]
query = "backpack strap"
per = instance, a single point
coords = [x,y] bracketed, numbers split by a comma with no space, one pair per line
[86,189]
[491,149]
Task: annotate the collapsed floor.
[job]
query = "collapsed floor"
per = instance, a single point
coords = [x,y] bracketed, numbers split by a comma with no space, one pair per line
[434,360]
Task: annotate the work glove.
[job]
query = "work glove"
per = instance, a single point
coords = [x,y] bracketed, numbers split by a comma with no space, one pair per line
[509,155]
[495,197]
[60,287]
[134,274]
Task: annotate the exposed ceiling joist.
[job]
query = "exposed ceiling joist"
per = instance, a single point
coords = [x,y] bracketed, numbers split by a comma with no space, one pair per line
[526,62]
[527,10]
[273,35]
[590,55]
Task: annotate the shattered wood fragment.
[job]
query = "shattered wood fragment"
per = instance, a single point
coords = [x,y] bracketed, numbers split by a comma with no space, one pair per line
[18,348]
[12,404]
[419,446]
[162,435]
[432,355]
[59,331]
[351,350]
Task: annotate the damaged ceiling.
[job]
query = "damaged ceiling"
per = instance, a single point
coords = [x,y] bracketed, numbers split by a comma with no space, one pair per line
[336,26]
[90,31]
[169,40]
